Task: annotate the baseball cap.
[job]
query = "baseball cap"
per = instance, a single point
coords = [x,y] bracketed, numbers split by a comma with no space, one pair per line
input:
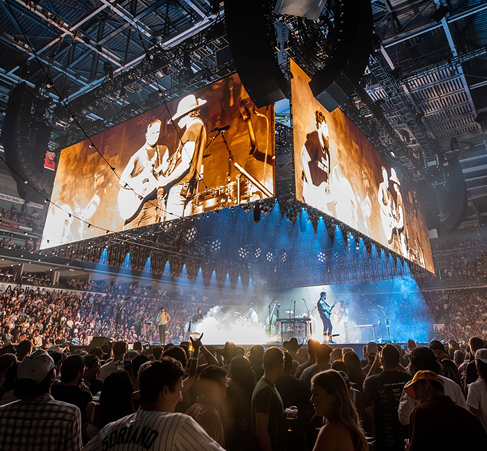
[129,356]
[481,354]
[421,376]
[371,348]
[35,366]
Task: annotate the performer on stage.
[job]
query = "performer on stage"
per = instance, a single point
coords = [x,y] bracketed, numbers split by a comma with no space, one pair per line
[325,311]
[197,317]
[162,319]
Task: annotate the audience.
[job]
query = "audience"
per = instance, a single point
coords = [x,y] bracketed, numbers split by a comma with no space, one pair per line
[156,425]
[457,428]
[385,389]
[36,420]
[477,392]
[268,420]
[331,400]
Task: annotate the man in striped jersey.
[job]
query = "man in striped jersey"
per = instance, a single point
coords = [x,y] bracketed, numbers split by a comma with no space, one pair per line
[155,426]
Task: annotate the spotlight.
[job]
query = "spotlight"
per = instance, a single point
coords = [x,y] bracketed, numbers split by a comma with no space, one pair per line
[284,256]
[257,252]
[243,253]
[216,246]
[322,257]
[270,256]
[190,235]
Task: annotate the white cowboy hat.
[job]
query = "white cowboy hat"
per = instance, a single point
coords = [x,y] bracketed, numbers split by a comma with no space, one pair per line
[186,105]
[393,177]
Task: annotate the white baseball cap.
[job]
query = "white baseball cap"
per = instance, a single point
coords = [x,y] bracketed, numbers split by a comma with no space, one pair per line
[36,366]
[481,354]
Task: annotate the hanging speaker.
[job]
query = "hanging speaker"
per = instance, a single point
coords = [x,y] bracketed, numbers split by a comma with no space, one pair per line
[250,32]
[351,47]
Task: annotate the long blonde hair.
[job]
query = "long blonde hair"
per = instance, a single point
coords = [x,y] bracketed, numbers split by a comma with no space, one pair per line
[344,410]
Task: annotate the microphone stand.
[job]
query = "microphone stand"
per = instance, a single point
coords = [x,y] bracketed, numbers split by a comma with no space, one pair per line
[306,305]
[117,316]
[388,325]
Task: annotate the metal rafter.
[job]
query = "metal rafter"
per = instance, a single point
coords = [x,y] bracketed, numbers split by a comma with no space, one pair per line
[407,35]
[58,23]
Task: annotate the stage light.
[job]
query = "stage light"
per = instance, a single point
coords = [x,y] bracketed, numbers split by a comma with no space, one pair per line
[270,256]
[284,256]
[190,235]
[257,252]
[243,253]
[322,257]
[215,246]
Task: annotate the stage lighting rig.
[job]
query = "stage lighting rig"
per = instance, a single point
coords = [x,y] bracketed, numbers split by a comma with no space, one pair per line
[216,246]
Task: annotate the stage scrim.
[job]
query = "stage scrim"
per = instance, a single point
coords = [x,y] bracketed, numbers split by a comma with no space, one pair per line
[208,150]
[339,172]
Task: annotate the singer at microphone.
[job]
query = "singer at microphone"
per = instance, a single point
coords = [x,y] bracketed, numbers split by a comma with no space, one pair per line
[220,129]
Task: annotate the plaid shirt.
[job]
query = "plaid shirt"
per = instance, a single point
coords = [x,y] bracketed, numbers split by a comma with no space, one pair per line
[40,424]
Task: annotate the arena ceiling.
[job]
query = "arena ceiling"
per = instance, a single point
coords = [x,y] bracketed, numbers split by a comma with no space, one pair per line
[428,78]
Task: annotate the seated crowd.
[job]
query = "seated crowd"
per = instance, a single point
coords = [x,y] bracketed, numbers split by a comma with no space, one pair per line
[61,316]
[193,397]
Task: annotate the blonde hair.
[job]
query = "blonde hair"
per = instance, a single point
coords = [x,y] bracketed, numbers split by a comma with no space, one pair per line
[344,410]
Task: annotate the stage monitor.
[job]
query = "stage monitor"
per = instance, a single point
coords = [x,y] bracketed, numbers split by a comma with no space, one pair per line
[204,151]
[339,172]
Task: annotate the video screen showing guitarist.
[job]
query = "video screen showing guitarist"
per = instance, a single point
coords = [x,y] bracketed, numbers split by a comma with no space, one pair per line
[136,199]
[183,169]
[325,310]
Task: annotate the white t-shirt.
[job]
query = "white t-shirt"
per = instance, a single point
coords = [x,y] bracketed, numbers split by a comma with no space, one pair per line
[477,398]
[161,431]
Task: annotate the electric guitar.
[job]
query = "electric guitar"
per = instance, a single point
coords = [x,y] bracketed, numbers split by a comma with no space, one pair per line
[132,197]
[324,309]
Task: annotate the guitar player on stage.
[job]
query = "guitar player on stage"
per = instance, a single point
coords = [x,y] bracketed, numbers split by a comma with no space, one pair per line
[148,157]
[183,169]
[325,312]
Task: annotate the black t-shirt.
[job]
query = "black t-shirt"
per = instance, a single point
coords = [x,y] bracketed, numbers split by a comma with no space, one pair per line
[73,395]
[385,390]
[266,399]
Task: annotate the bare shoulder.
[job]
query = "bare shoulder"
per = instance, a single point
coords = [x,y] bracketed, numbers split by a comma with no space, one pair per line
[334,437]
[327,439]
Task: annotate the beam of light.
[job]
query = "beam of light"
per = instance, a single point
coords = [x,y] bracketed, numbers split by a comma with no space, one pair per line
[147,267]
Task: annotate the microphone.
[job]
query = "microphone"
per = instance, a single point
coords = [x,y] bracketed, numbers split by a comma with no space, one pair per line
[220,129]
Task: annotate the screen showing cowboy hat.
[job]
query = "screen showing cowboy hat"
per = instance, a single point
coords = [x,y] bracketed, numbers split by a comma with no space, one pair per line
[208,150]
[339,172]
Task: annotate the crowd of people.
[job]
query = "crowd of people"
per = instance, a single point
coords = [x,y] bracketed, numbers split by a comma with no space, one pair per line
[32,220]
[50,316]
[458,313]
[195,397]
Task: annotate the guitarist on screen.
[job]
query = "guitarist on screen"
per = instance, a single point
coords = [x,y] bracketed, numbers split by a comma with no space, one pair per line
[136,198]
[183,169]
[325,312]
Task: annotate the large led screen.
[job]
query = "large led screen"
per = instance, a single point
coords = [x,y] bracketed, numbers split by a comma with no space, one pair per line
[339,172]
[207,150]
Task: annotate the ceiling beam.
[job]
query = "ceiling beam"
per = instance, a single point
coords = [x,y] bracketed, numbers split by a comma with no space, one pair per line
[58,23]
[406,35]
[49,63]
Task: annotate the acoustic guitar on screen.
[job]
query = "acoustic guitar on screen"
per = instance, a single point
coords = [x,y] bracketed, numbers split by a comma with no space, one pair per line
[135,193]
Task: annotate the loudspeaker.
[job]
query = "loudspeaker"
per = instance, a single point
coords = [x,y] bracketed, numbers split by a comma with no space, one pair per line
[337,92]
[250,32]
[352,43]
[26,139]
